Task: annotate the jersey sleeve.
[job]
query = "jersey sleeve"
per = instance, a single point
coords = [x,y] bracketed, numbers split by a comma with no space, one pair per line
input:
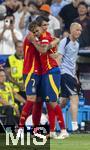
[61,46]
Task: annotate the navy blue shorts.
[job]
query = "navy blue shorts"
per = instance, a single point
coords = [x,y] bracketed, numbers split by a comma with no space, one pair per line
[32,84]
[68,85]
[51,85]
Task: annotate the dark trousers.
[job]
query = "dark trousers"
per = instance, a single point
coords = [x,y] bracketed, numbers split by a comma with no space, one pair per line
[10,119]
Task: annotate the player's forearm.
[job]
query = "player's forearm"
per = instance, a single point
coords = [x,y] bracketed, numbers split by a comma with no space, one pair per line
[55,42]
[46,47]
[42,48]
[54,55]
[57,57]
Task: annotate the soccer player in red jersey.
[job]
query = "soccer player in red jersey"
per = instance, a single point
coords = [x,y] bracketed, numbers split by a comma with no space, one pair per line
[32,78]
[51,81]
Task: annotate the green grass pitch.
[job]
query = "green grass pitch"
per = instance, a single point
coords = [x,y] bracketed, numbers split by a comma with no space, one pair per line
[74,142]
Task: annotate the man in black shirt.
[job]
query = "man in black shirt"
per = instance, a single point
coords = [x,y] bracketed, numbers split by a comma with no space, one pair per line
[69,13]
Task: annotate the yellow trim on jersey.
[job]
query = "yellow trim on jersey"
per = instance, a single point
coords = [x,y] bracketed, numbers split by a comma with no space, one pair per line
[53,85]
[30,73]
[26,49]
[49,66]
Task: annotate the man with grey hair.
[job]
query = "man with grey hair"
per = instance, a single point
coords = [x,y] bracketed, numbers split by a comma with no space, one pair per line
[68,51]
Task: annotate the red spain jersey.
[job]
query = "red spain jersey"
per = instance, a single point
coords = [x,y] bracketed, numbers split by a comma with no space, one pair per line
[31,59]
[46,61]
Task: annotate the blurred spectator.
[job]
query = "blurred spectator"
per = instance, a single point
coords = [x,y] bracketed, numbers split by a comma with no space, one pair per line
[33,12]
[1,1]
[41,2]
[87,2]
[65,34]
[9,36]
[54,24]
[89,11]
[83,14]
[57,6]
[69,13]
[2,63]
[84,20]
[2,15]
[49,2]
[21,15]
[14,68]
[8,106]
[11,6]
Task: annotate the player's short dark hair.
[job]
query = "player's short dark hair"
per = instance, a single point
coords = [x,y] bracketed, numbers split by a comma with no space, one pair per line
[33,25]
[40,19]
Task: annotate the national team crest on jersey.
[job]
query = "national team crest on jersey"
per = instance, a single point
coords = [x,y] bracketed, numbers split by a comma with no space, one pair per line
[33,89]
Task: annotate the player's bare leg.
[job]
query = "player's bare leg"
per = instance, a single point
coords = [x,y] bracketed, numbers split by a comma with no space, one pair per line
[74,110]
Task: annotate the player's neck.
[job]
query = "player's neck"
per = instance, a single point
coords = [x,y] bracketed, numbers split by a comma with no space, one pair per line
[72,38]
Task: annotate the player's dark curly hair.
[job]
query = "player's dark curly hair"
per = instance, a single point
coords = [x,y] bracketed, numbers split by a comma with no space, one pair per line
[33,25]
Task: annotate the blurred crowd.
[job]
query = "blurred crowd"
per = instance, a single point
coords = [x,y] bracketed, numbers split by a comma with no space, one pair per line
[15,17]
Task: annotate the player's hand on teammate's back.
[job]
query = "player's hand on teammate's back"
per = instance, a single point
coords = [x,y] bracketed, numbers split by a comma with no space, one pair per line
[31,37]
